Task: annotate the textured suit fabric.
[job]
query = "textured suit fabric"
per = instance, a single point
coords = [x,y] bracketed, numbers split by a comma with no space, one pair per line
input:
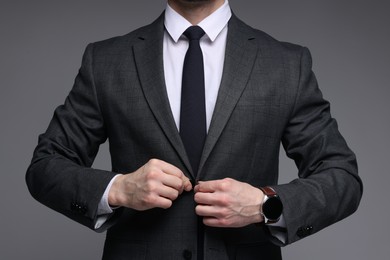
[268,95]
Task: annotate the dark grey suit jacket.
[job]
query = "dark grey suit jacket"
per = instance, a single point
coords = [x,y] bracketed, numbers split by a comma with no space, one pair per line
[268,95]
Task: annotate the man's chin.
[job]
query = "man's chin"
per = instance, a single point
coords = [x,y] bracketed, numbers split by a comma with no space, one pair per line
[195,1]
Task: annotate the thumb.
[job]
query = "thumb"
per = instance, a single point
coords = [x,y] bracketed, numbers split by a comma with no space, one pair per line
[186,183]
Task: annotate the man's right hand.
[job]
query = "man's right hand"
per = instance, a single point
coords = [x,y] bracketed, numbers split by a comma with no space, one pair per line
[155,185]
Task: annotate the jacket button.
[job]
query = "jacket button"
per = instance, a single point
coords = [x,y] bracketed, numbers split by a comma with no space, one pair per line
[81,209]
[304,231]
[187,254]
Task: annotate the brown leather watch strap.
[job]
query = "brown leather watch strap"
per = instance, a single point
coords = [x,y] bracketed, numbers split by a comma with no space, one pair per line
[268,191]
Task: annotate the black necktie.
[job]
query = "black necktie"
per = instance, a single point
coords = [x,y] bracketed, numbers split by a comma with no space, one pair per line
[193,108]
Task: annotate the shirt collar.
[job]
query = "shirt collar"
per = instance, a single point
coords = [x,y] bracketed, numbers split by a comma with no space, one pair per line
[213,24]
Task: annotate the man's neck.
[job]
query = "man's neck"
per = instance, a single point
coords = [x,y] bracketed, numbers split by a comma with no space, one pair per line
[195,11]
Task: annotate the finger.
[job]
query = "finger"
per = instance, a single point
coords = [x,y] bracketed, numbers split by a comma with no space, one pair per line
[171,169]
[207,186]
[173,182]
[186,183]
[161,202]
[168,192]
[208,211]
[214,222]
[206,198]
[163,166]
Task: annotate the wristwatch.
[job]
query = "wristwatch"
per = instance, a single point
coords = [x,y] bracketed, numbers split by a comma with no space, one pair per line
[271,208]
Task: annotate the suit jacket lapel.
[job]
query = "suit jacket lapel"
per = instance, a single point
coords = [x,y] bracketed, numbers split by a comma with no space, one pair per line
[239,59]
[148,55]
[240,55]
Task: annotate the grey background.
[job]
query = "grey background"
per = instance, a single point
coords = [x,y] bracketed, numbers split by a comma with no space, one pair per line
[41,47]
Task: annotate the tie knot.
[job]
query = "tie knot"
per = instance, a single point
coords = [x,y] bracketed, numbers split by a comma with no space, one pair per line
[194,33]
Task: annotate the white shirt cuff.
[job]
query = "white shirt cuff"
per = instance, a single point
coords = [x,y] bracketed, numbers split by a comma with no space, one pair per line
[104,210]
[278,232]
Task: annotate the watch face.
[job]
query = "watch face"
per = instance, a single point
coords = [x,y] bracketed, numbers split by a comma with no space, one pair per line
[273,208]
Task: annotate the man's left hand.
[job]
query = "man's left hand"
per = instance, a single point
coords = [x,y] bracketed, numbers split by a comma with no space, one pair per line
[228,203]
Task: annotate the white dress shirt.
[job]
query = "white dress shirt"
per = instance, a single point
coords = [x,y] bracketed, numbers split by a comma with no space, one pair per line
[213,45]
[175,45]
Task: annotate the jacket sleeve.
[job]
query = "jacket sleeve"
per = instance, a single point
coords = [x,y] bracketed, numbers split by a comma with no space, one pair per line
[328,188]
[60,176]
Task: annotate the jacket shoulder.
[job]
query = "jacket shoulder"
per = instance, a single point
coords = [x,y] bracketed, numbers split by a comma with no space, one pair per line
[266,42]
[124,42]
[273,45]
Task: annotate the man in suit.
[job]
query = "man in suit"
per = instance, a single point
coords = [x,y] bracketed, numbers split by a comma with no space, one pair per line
[158,202]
